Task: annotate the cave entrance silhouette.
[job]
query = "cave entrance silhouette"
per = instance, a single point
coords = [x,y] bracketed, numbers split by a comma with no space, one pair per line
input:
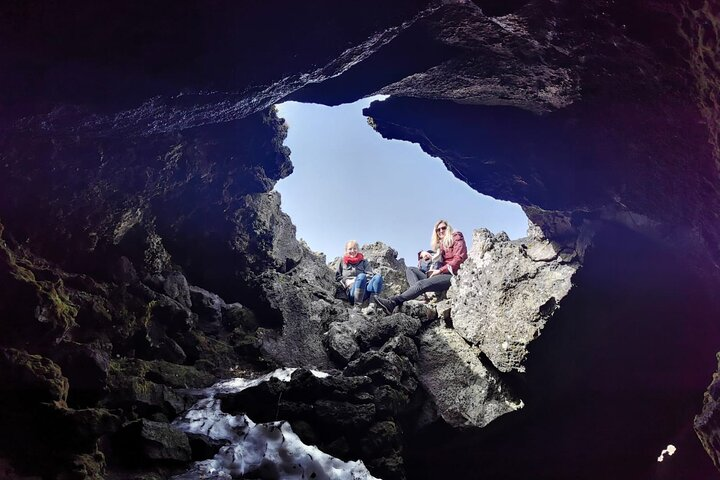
[349,182]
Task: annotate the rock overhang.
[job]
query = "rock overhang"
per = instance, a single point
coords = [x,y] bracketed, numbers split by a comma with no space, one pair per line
[611,74]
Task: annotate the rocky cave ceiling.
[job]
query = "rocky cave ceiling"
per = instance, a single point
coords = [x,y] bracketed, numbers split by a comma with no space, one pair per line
[154,121]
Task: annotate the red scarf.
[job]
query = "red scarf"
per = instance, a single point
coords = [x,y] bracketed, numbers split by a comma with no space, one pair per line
[353,260]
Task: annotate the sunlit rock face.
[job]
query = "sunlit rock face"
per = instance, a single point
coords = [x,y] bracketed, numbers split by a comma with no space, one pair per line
[616,375]
[464,392]
[506,291]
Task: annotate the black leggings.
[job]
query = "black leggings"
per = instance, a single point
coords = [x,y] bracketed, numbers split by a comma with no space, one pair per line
[438,283]
[414,275]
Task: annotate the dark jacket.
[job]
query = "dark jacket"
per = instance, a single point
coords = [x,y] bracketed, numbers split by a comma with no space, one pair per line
[454,256]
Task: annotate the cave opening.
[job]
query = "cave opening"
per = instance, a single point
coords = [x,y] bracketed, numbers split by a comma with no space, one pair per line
[349,182]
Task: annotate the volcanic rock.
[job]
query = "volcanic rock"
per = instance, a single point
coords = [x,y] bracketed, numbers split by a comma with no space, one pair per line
[465,392]
[502,296]
[146,441]
[707,423]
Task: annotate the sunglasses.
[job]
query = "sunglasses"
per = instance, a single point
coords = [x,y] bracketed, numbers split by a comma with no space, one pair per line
[441,229]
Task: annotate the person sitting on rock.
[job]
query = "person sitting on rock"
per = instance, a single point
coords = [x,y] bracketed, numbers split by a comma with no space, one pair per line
[356,276]
[427,260]
[452,246]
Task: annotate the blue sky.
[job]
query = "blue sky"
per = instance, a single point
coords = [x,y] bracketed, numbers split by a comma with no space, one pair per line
[350,183]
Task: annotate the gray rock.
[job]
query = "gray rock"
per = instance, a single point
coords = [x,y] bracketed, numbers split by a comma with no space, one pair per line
[359,334]
[344,414]
[207,305]
[341,340]
[237,315]
[464,392]
[262,227]
[502,297]
[156,441]
[707,423]
[403,346]
[161,347]
[422,310]
[374,334]
[313,269]
[383,260]
[307,313]
[384,368]
[534,232]
[176,287]
[543,251]
[444,310]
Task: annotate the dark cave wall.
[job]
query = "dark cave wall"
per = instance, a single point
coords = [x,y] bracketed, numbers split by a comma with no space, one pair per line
[139,142]
[633,143]
[616,376]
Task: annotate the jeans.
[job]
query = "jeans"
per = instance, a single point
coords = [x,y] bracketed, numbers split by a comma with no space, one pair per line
[375,285]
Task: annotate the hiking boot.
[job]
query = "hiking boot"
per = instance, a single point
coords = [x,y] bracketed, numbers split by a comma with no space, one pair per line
[359,296]
[387,304]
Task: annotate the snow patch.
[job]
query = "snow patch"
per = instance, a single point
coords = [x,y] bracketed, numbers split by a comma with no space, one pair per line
[271,450]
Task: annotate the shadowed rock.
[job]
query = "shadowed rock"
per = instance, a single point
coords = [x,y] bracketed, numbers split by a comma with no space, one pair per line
[707,423]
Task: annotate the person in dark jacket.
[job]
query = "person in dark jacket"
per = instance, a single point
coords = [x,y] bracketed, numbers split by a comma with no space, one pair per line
[452,246]
[356,276]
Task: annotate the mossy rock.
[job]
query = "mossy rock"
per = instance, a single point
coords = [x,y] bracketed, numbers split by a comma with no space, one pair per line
[40,310]
[31,378]
[162,372]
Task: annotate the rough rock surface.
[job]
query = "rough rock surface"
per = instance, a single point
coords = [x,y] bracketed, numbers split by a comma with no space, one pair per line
[145,440]
[464,392]
[504,294]
[360,333]
[138,147]
[707,423]
[383,259]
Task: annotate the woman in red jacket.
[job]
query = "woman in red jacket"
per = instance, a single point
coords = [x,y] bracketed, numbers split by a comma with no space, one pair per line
[454,252]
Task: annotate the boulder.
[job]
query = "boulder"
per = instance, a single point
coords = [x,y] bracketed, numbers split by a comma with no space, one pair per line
[383,259]
[137,396]
[465,393]
[341,339]
[86,368]
[502,297]
[209,306]
[306,313]
[236,315]
[176,287]
[147,442]
[30,379]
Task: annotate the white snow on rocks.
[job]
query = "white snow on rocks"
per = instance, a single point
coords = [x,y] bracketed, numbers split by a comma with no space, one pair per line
[270,450]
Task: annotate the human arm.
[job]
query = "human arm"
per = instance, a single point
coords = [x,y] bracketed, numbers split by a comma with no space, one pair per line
[367,268]
[339,274]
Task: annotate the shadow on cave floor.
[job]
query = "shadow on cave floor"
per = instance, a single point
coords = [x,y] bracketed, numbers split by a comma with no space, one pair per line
[616,376]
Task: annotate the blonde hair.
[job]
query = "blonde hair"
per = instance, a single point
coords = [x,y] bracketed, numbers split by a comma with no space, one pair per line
[351,242]
[447,240]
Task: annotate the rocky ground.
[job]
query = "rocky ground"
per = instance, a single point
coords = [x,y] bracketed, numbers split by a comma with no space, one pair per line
[117,356]
[142,250]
